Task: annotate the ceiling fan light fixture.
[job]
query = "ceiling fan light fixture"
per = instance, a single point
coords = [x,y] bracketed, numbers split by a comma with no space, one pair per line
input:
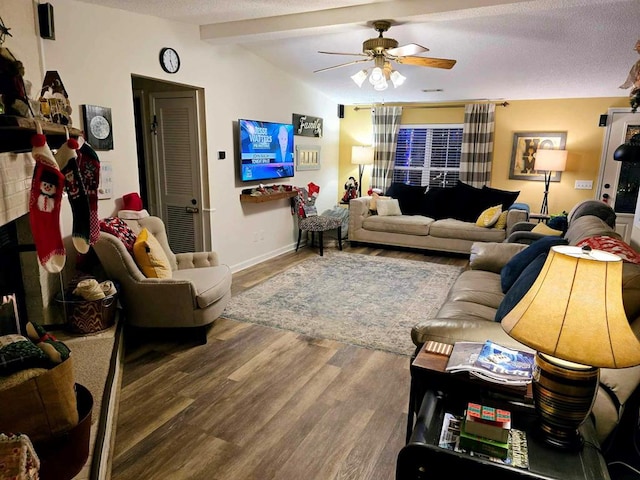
[381,85]
[359,77]
[377,75]
[397,78]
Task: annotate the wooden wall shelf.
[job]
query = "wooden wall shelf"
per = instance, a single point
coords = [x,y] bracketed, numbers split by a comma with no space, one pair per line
[266,198]
[16,133]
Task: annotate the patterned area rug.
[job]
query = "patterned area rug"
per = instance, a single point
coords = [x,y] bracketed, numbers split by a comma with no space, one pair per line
[359,299]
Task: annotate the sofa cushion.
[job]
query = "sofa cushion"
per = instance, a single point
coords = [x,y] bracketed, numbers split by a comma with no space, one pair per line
[409,197]
[388,208]
[520,286]
[407,224]
[612,245]
[210,283]
[439,202]
[450,228]
[489,217]
[512,270]
[150,256]
[594,208]
[477,286]
[588,226]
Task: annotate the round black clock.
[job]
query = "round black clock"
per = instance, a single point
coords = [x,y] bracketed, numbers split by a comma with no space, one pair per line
[169,60]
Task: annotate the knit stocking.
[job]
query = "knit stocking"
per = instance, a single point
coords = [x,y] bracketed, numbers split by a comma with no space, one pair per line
[66,158]
[89,165]
[44,207]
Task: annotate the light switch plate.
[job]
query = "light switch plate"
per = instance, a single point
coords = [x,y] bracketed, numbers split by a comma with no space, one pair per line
[584,184]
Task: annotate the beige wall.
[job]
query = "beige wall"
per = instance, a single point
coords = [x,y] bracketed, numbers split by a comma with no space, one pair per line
[578,117]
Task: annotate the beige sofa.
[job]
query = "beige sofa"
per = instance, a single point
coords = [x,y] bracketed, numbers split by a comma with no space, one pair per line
[422,232]
[471,305]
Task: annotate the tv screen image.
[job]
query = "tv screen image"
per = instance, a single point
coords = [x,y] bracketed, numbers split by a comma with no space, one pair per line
[266,150]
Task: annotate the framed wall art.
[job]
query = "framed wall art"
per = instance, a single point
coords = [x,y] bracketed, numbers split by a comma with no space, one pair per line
[307,157]
[523,155]
[97,126]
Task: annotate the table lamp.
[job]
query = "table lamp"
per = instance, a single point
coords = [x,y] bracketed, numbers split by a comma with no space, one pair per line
[549,161]
[361,155]
[574,318]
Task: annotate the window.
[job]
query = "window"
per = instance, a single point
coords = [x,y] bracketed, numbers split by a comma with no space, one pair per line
[428,155]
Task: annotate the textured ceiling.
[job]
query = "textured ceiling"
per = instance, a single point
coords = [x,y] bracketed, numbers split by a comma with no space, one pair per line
[504,50]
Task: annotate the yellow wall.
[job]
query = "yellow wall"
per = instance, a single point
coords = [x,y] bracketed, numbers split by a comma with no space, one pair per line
[578,117]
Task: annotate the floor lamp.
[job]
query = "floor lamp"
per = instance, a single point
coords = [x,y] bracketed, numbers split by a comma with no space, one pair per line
[361,156]
[549,161]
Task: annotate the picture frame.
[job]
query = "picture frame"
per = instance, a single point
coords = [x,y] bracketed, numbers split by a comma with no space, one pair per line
[307,157]
[98,128]
[525,146]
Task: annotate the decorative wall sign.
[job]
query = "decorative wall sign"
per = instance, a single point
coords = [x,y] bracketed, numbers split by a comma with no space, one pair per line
[97,126]
[523,155]
[307,126]
[307,157]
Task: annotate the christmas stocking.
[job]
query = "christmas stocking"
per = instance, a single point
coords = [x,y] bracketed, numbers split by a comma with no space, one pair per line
[44,207]
[66,158]
[89,165]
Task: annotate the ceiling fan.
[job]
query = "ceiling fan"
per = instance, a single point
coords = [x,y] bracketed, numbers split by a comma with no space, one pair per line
[382,51]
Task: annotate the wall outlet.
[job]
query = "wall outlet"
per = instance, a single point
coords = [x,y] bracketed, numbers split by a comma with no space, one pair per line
[584,184]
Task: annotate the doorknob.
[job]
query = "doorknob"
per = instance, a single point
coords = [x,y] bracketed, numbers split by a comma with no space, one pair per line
[191,209]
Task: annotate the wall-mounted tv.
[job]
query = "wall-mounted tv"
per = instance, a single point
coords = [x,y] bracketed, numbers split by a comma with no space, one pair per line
[266,150]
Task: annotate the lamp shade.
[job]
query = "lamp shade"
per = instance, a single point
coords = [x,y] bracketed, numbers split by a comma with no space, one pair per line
[551,160]
[361,155]
[574,310]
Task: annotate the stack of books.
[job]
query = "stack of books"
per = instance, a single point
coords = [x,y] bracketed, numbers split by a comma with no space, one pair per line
[486,430]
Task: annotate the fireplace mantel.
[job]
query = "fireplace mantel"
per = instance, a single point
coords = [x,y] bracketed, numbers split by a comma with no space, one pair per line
[16,132]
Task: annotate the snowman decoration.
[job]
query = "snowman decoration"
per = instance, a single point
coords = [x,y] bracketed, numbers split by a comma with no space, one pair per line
[47,191]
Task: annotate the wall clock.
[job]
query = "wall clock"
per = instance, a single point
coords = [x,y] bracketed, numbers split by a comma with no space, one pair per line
[97,126]
[169,60]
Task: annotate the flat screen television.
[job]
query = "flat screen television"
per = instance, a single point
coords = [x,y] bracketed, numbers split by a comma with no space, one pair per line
[266,150]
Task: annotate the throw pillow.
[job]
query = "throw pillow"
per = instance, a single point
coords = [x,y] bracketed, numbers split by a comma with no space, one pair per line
[439,203]
[502,221]
[489,217]
[559,222]
[119,228]
[521,286]
[373,206]
[410,197]
[468,202]
[389,207]
[150,256]
[505,197]
[612,245]
[544,229]
[514,267]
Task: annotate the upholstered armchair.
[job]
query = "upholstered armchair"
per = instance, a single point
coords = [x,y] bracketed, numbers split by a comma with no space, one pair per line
[195,295]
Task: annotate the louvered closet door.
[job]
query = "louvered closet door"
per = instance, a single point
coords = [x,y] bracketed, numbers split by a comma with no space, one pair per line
[179,169]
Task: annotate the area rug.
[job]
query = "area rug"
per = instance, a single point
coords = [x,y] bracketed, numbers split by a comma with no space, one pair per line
[358,299]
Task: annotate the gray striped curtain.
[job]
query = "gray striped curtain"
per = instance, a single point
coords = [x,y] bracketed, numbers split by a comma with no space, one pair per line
[386,123]
[477,143]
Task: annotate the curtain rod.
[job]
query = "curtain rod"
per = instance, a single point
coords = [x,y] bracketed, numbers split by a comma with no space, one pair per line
[433,105]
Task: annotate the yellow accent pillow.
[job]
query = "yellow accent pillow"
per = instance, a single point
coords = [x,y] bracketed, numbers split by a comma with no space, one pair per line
[489,217]
[543,229]
[373,203]
[502,220]
[150,256]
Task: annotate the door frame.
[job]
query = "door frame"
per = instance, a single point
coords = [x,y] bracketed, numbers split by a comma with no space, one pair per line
[605,145]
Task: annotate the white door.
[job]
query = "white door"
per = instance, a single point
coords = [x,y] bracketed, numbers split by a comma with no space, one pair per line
[177,154]
[619,181]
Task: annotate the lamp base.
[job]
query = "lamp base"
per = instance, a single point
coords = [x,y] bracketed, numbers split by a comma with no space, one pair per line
[563,393]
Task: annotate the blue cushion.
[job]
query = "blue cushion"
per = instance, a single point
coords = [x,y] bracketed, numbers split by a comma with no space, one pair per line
[512,270]
[520,286]
[559,222]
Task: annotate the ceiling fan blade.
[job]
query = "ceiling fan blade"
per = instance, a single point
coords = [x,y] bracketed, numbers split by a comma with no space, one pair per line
[408,49]
[342,65]
[340,53]
[427,62]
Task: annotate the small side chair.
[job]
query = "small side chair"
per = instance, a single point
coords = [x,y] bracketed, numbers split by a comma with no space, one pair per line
[310,221]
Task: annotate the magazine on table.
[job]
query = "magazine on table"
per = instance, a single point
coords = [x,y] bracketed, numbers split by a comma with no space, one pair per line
[518,455]
[492,362]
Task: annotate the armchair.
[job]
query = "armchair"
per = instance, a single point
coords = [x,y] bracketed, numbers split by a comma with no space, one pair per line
[194,297]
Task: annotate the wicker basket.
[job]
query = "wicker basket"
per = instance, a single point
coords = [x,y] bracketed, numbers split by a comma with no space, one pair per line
[90,316]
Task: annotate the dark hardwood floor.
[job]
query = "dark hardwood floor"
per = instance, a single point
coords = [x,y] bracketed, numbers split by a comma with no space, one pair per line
[258,403]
